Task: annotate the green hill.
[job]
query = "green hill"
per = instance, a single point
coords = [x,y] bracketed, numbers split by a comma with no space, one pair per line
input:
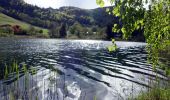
[65,22]
[4,19]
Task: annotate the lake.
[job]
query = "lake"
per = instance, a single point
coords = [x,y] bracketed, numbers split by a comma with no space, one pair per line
[74,69]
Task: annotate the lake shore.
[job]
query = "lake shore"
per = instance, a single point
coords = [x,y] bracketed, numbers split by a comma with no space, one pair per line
[35,37]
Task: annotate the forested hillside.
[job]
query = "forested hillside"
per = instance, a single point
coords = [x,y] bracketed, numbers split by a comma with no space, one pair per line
[66,22]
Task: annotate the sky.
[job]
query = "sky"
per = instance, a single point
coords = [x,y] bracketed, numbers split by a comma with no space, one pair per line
[86,4]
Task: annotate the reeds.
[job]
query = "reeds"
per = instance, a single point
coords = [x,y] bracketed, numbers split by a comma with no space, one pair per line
[156,93]
[20,82]
[24,75]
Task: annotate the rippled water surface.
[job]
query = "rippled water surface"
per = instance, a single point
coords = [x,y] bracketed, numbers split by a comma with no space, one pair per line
[75,69]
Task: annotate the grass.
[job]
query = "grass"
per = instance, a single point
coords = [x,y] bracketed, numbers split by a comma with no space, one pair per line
[4,19]
[155,93]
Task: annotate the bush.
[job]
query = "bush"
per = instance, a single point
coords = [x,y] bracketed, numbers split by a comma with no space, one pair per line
[32,30]
[6,31]
[40,31]
[40,35]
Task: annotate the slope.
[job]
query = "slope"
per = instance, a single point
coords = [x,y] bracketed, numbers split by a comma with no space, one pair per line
[4,19]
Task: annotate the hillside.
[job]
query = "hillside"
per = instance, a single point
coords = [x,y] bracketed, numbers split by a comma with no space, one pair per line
[67,22]
[47,17]
[4,20]
[80,23]
[8,23]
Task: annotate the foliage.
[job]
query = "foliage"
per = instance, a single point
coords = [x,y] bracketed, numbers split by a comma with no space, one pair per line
[62,31]
[155,94]
[154,20]
[78,31]
[32,30]
[58,31]
[54,31]
[112,47]
[6,31]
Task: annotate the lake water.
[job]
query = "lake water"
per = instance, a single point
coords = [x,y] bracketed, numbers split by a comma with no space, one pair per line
[74,70]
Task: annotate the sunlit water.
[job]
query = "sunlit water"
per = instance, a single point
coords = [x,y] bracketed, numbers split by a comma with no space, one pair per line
[75,70]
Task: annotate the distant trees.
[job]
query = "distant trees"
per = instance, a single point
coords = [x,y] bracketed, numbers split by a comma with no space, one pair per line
[31,30]
[14,30]
[94,28]
[109,32]
[62,31]
[79,31]
[58,31]
[6,30]
[18,30]
[54,31]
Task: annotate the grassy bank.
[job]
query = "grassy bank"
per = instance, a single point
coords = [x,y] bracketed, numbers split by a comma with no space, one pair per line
[155,93]
[6,20]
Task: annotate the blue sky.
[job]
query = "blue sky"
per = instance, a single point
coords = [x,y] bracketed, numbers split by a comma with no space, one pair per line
[87,4]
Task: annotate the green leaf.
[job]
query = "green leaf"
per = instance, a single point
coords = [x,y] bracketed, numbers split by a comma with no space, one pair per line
[100,2]
[115,25]
[116,11]
[112,48]
[113,40]
[123,30]
[107,10]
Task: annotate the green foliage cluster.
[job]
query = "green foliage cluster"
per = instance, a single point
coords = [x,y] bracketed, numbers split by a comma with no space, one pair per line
[77,31]
[157,29]
[155,94]
[58,31]
[32,31]
[81,32]
[154,20]
[6,31]
[112,47]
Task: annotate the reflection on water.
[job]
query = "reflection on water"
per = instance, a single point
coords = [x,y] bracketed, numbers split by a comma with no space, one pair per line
[75,70]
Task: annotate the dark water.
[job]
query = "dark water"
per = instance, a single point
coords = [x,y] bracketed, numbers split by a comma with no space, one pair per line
[75,69]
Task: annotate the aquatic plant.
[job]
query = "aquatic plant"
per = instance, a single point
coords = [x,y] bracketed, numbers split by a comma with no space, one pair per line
[112,47]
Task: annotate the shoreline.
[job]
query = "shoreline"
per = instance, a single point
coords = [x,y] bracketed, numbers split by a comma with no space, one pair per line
[35,37]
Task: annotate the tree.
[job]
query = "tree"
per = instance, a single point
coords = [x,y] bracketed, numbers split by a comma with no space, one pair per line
[6,29]
[77,29]
[54,31]
[109,32]
[94,29]
[62,31]
[31,30]
[154,20]
[41,31]
[18,30]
